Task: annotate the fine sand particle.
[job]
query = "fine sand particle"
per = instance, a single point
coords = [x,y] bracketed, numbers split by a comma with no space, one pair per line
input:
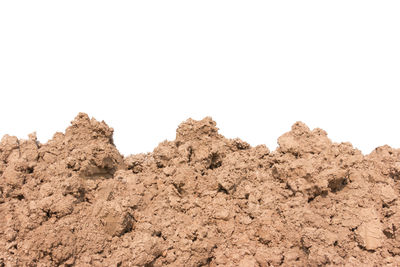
[200,200]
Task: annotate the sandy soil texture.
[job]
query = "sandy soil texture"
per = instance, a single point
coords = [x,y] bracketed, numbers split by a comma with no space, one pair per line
[200,200]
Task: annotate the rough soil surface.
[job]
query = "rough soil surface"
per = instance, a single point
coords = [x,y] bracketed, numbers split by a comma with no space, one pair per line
[200,200]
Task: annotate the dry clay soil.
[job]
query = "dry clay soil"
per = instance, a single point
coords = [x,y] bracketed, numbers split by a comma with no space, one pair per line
[200,200]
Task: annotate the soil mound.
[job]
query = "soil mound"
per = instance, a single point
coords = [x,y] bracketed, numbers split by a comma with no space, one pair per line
[200,200]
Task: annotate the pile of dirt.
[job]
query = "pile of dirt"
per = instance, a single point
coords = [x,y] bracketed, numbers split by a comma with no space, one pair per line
[200,200]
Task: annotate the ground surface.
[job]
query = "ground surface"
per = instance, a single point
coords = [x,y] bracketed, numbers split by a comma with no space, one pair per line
[200,200]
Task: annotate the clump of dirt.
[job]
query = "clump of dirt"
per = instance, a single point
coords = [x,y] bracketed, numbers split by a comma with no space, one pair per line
[200,200]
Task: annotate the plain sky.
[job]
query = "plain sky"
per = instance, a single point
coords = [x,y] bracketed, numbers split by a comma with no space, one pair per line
[256,67]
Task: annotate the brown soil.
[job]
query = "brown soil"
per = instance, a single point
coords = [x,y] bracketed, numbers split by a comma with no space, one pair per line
[200,200]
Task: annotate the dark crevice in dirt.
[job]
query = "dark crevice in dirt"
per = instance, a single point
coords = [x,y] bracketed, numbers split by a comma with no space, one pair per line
[30,169]
[310,199]
[190,153]
[291,189]
[304,248]
[388,234]
[264,241]
[319,193]
[222,189]
[208,262]
[20,197]
[49,214]
[178,188]
[157,233]
[151,264]
[365,249]
[215,161]
[339,184]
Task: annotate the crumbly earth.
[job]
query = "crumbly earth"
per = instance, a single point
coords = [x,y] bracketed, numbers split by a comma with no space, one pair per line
[200,200]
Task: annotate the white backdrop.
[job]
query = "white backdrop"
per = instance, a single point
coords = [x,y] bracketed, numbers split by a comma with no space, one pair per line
[256,67]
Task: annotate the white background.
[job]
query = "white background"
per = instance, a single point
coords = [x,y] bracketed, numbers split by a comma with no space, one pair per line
[256,67]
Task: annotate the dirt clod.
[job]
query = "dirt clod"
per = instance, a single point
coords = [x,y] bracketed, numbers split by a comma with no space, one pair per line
[199,200]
